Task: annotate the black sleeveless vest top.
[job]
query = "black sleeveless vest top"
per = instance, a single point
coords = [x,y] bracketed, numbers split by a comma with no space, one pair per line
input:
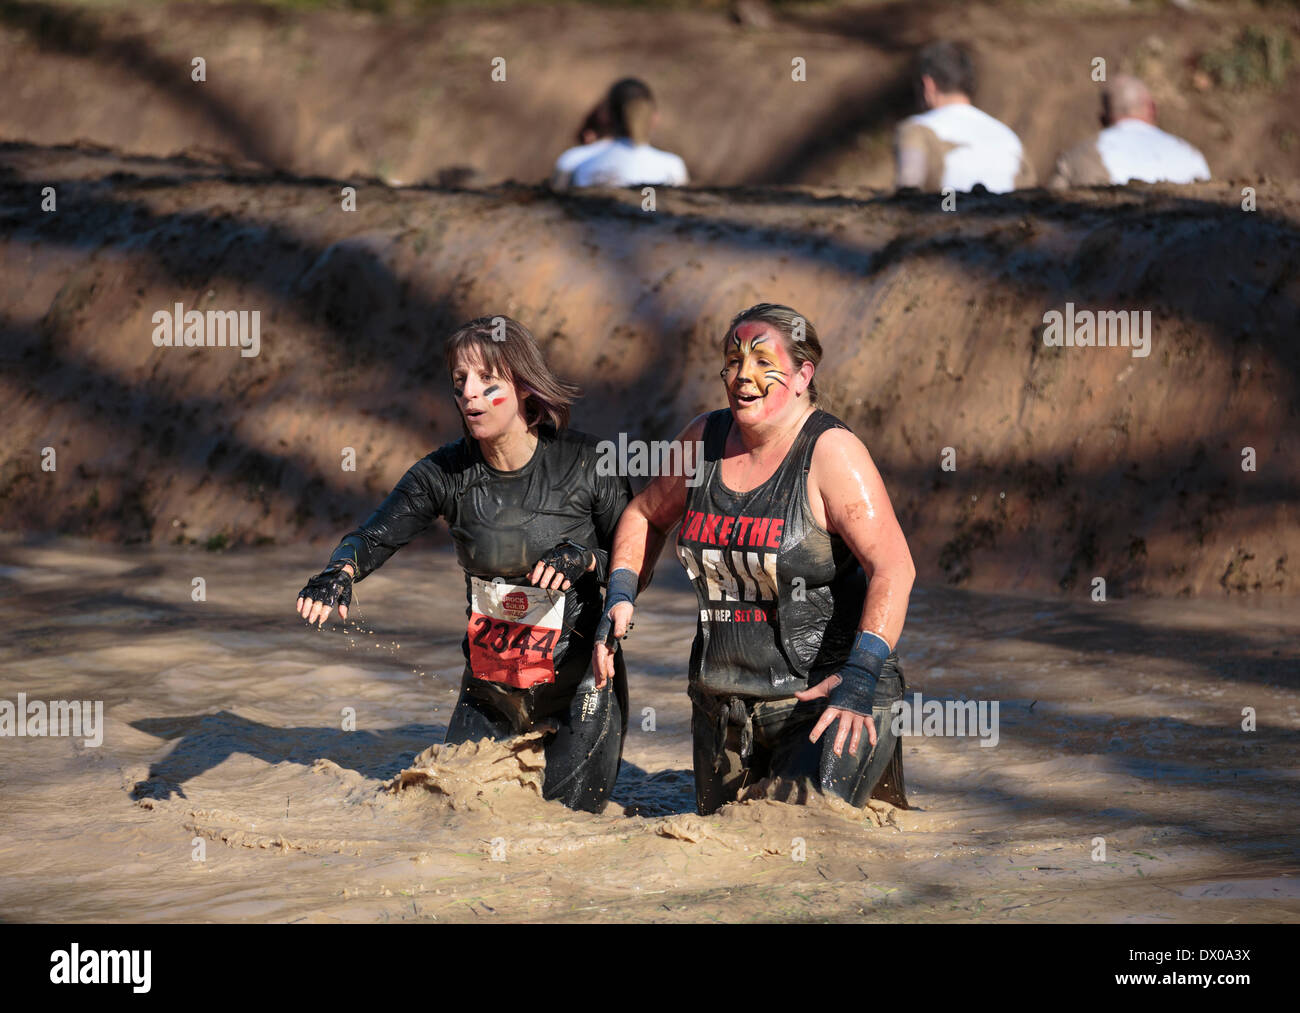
[780,597]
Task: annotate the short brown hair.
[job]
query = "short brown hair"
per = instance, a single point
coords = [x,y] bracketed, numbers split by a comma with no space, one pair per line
[949,65]
[508,349]
[807,348]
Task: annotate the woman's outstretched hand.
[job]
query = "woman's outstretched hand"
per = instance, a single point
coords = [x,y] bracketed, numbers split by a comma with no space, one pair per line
[331,587]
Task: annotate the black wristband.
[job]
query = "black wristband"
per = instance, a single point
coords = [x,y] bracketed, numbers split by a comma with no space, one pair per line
[856,691]
[347,553]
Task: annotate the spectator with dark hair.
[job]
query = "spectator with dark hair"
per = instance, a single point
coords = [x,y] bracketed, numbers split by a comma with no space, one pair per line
[1130,146]
[597,125]
[629,159]
[953,144]
[595,134]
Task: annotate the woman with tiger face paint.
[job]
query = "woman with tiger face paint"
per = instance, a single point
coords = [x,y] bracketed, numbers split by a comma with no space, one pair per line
[802,573]
[533,520]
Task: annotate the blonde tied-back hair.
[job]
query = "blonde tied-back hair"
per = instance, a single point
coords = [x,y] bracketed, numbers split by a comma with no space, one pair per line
[632,109]
[796,330]
[509,351]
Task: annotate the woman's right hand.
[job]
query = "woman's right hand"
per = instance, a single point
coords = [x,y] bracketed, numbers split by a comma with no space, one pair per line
[332,586]
[602,656]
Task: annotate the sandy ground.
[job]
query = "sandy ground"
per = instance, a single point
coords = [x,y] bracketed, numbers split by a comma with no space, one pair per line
[223,726]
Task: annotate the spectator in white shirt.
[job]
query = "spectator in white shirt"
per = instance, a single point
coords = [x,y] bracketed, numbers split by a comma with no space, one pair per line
[1131,146]
[629,160]
[953,144]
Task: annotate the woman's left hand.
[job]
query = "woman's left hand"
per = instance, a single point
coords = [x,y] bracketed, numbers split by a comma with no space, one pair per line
[559,568]
[850,721]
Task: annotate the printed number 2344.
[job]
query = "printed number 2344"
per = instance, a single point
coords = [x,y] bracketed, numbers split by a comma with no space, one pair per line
[497,636]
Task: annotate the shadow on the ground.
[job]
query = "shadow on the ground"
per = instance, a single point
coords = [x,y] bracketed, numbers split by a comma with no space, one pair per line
[204,741]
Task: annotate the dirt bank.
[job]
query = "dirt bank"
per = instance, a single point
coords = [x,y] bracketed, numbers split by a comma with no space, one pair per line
[1071,463]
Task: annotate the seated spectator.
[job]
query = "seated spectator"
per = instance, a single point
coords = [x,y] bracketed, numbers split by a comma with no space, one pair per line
[595,134]
[1131,146]
[629,160]
[953,144]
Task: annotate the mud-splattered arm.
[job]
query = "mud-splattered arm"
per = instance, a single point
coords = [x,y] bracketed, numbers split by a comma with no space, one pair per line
[418,499]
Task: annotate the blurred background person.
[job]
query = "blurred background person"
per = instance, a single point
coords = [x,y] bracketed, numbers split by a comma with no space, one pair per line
[953,144]
[595,134]
[629,160]
[1130,146]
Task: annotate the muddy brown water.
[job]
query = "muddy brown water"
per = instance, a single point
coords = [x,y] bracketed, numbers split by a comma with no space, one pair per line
[226,788]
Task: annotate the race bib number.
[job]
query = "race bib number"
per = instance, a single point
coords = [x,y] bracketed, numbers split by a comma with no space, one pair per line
[513,632]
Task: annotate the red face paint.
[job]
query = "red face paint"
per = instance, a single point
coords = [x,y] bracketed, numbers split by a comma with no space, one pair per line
[498,400]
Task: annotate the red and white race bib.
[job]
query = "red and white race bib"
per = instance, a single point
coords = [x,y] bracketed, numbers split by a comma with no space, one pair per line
[513,632]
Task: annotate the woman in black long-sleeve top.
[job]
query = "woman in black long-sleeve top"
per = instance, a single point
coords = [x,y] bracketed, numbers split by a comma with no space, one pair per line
[532,520]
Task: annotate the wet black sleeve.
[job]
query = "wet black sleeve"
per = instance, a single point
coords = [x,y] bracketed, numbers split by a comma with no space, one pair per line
[415,503]
[612,495]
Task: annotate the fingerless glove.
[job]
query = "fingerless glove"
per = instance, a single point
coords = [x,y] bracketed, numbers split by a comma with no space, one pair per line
[570,559]
[333,586]
[856,691]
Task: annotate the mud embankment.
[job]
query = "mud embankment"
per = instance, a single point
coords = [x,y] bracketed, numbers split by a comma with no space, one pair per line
[1071,463]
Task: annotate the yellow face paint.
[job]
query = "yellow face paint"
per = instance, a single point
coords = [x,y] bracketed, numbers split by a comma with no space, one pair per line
[756,372]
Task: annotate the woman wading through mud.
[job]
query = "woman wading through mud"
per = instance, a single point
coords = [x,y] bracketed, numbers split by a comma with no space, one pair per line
[532,522]
[802,574]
